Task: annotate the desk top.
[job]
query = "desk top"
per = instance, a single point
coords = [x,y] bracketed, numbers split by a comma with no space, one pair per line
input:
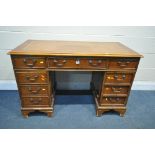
[73,48]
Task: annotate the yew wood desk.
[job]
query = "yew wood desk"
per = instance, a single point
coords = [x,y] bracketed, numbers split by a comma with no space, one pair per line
[112,64]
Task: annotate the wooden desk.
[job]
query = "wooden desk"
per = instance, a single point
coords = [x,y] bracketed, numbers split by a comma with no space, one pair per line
[113,67]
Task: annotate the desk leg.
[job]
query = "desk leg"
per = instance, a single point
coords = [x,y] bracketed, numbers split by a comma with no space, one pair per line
[49,114]
[25,113]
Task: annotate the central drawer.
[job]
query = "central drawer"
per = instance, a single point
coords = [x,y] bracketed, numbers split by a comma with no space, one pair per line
[67,62]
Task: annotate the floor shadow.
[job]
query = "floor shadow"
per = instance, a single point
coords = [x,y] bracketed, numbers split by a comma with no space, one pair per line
[37,113]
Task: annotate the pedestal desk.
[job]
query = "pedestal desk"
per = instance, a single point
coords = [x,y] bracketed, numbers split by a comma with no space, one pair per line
[112,64]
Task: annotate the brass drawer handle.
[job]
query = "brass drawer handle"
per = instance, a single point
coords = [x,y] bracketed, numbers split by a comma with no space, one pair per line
[58,64]
[34,91]
[35,101]
[95,64]
[113,100]
[26,61]
[116,90]
[32,79]
[119,79]
[123,64]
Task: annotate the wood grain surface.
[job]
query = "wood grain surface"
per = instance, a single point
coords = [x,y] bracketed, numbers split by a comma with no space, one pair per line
[73,48]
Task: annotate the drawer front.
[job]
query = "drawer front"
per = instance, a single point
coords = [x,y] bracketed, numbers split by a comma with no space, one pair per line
[77,63]
[126,63]
[31,77]
[38,90]
[118,78]
[94,63]
[29,62]
[117,90]
[35,102]
[113,101]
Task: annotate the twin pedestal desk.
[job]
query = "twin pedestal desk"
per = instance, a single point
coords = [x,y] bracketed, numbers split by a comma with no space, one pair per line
[112,64]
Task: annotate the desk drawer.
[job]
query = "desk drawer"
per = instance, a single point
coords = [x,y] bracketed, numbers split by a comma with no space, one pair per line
[31,77]
[36,102]
[123,63]
[37,90]
[115,90]
[116,77]
[113,101]
[28,62]
[77,63]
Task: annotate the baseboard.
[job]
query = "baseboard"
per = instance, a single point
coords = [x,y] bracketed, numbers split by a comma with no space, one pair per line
[8,85]
[137,85]
[143,85]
